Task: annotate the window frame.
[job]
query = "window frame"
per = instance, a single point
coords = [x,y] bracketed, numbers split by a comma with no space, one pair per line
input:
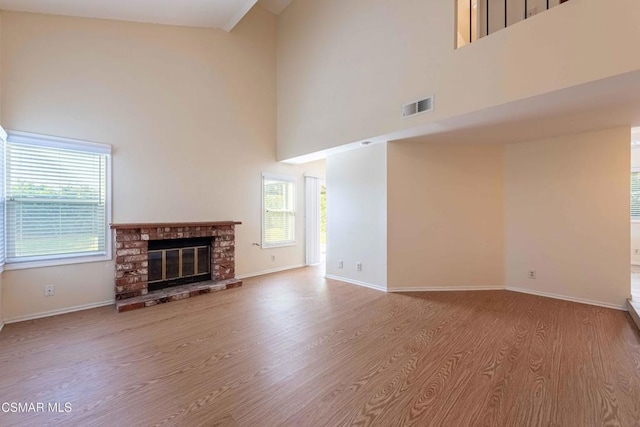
[3,243]
[633,169]
[282,178]
[27,138]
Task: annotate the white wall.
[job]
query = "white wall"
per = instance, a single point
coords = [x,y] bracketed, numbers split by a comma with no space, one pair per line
[191,116]
[635,226]
[352,64]
[567,216]
[445,215]
[357,215]
[482,216]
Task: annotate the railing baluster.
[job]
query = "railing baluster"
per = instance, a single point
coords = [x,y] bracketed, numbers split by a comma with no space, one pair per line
[487,9]
[505,14]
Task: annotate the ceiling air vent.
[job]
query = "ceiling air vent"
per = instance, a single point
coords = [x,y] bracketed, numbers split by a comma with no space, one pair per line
[417,107]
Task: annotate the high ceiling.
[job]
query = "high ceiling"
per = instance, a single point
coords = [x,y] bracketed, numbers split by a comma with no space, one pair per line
[223,14]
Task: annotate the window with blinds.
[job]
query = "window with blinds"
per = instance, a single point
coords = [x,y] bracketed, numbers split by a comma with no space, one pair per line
[3,137]
[635,195]
[56,198]
[279,211]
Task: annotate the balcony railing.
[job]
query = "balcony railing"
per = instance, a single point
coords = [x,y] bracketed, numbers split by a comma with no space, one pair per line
[480,18]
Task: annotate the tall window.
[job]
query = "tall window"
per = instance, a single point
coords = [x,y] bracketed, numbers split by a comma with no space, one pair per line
[3,140]
[635,194]
[278,211]
[56,198]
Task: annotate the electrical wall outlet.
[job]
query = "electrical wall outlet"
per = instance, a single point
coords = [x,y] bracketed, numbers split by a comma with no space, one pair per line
[49,290]
[273,258]
[359,266]
[636,251]
[532,274]
[340,264]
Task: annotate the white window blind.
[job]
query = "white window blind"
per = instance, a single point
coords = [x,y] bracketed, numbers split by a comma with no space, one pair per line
[3,137]
[56,199]
[635,195]
[279,211]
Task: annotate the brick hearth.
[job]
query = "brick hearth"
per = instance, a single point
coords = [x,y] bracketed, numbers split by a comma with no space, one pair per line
[131,245]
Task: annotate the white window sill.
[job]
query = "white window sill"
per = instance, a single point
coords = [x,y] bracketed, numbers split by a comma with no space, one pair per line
[55,262]
[280,245]
[635,221]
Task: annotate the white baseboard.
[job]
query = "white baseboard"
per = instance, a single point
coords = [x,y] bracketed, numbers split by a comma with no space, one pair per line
[273,270]
[567,298]
[59,311]
[510,288]
[357,282]
[448,289]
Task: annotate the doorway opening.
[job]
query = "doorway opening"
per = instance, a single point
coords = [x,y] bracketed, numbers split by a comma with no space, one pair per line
[315,220]
[635,214]
[323,222]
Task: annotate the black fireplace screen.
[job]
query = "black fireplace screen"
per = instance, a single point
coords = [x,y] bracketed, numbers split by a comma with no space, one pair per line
[178,262]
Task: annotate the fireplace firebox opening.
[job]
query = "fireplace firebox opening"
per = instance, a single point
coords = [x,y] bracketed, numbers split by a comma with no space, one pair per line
[175,262]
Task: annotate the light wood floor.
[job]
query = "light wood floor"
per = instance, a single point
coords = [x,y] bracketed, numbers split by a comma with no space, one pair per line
[296,349]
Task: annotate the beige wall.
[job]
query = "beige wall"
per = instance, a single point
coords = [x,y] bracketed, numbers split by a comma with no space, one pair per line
[76,286]
[352,64]
[357,215]
[476,216]
[446,216]
[190,114]
[567,216]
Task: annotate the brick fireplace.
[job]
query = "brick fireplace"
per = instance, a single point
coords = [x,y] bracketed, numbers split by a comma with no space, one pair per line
[132,268]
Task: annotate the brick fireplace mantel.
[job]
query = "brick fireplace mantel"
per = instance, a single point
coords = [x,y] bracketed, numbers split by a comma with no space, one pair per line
[131,245]
[173,225]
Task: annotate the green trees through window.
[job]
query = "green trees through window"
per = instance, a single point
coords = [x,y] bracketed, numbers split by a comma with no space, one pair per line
[56,201]
[635,195]
[279,212]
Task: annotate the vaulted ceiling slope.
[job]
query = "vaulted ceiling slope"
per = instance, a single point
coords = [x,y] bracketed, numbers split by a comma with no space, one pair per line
[223,14]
